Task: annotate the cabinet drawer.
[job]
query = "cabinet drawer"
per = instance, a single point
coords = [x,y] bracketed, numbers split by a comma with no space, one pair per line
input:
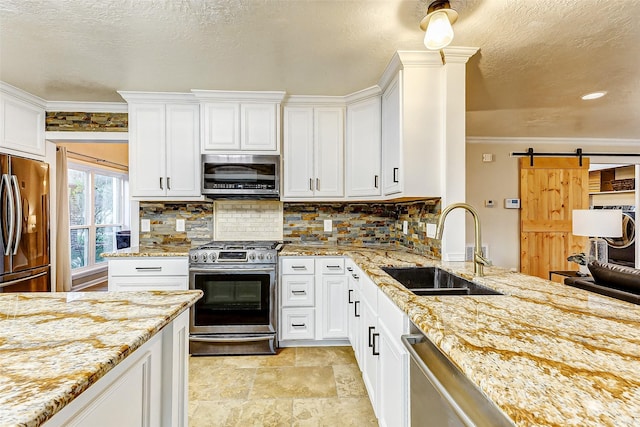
[149,267]
[297,291]
[331,265]
[295,265]
[298,324]
[394,319]
[158,283]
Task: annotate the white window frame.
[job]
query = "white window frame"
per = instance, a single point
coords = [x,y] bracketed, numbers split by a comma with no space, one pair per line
[93,266]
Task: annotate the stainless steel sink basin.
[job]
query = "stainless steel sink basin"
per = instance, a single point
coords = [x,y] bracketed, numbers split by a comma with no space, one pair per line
[435,281]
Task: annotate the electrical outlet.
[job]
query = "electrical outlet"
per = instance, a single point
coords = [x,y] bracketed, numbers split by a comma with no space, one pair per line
[180,225]
[405,227]
[431,230]
[145,225]
[328,226]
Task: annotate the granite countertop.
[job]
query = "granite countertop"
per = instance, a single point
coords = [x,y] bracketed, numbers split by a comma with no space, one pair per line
[155,251]
[53,346]
[545,353]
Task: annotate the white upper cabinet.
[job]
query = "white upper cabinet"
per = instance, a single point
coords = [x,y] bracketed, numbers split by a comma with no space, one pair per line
[22,119]
[391,138]
[313,152]
[164,145]
[235,121]
[363,148]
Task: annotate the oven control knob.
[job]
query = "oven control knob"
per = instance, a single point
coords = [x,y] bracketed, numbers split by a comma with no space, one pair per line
[212,256]
[194,257]
[203,257]
[252,256]
[269,256]
[260,256]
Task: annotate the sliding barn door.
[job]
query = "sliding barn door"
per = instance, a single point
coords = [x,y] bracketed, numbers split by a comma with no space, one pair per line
[550,190]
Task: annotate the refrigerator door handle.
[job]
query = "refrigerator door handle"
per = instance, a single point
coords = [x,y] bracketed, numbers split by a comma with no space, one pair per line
[12,221]
[18,216]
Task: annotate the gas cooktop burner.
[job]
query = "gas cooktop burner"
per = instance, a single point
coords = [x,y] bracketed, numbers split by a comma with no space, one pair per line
[260,252]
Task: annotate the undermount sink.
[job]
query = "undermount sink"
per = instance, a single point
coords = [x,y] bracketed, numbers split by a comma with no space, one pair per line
[435,281]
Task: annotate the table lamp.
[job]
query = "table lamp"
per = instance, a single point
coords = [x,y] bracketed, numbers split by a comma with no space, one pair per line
[596,224]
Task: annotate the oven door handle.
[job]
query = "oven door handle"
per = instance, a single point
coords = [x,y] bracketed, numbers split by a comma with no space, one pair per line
[235,271]
[231,339]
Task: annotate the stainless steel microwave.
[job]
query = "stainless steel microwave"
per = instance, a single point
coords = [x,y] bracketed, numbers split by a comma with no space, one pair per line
[245,176]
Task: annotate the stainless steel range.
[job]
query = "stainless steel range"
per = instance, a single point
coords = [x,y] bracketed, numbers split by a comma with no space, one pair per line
[237,314]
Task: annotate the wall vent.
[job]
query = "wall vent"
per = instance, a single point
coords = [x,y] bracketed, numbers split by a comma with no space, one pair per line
[468,253]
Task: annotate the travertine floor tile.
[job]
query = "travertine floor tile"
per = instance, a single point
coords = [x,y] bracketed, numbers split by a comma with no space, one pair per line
[356,412]
[324,356]
[249,413]
[349,381]
[312,381]
[221,383]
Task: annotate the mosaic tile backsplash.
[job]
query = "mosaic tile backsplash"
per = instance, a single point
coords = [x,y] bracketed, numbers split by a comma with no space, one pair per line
[86,122]
[303,222]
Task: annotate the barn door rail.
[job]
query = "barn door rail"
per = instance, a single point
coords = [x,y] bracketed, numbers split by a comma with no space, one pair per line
[578,153]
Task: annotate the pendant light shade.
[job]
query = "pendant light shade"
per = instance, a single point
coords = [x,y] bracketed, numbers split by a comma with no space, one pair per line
[437,25]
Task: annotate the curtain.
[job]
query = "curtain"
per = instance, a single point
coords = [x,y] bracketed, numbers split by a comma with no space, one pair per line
[63,241]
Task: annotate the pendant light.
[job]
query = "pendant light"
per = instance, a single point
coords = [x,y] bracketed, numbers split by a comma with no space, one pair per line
[437,25]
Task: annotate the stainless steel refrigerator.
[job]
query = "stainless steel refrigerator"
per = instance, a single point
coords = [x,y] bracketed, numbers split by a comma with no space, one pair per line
[24,225]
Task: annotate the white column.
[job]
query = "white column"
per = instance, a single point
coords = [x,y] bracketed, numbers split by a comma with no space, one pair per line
[453,149]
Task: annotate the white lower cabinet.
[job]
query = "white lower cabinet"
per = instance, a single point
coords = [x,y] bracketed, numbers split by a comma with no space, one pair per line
[377,326]
[148,274]
[313,300]
[148,388]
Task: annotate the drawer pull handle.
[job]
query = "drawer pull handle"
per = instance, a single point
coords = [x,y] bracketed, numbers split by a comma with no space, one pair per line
[355,276]
[299,325]
[395,175]
[299,267]
[311,184]
[299,292]
[375,181]
[356,313]
[371,329]
[350,293]
[148,268]
[349,269]
[333,266]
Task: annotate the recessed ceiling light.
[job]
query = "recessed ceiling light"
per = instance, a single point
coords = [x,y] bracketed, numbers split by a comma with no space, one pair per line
[594,95]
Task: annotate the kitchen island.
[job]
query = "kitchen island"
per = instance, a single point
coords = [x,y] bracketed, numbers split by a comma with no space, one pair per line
[544,353]
[73,358]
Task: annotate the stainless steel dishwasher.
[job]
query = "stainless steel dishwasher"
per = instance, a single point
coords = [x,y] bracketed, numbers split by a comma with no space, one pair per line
[440,394]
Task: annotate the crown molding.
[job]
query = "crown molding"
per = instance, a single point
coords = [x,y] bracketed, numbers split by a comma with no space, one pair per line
[361,95]
[239,96]
[21,94]
[87,107]
[458,54]
[408,59]
[582,142]
[139,96]
[304,100]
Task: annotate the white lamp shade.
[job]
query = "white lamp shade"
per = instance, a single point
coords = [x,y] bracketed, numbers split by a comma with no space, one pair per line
[597,222]
[439,31]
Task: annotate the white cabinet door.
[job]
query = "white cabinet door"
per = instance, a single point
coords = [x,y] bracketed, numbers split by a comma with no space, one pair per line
[392,380]
[149,283]
[298,152]
[183,150]
[392,137]
[363,148]
[21,125]
[297,291]
[258,123]
[335,320]
[147,154]
[221,126]
[370,351]
[328,152]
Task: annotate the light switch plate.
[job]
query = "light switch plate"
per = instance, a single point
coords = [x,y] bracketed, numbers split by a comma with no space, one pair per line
[145,225]
[179,224]
[328,226]
[405,227]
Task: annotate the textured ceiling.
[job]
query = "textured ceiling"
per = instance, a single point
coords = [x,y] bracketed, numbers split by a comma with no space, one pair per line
[537,56]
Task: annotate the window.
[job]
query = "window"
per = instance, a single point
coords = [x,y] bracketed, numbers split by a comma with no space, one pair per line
[97,210]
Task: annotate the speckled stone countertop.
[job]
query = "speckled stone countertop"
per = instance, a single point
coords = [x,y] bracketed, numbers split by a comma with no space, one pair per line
[545,353]
[139,251]
[53,346]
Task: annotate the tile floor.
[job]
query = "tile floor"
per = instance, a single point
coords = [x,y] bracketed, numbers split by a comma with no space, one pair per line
[302,386]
